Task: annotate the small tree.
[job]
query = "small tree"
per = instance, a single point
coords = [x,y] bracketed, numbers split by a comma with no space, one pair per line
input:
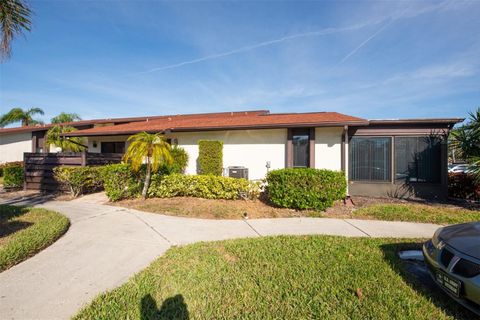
[65,117]
[20,115]
[465,140]
[151,149]
[73,144]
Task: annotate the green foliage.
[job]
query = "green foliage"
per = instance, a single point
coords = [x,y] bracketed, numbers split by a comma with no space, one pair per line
[120,181]
[73,144]
[7,164]
[39,228]
[465,142]
[65,117]
[180,160]
[79,180]
[20,115]
[13,176]
[201,186]
[210,157]
[305,188]
[14,19]
[151,148]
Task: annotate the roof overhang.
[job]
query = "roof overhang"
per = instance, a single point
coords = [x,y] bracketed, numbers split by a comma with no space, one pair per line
[80,133]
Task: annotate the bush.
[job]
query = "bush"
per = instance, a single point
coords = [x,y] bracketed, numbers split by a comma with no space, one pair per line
[305,188]
[121,182]
[201,186]
[210,157]
[9,164]
[180,161]
[13,176]
[463,186]
[79,180]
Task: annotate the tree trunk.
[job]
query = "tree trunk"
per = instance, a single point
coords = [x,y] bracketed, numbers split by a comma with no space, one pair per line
[147,181]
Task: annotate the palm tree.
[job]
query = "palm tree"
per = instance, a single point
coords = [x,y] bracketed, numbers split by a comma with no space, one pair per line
[18,114]
[66,117]
[14,20]
[72,144]
[151,148]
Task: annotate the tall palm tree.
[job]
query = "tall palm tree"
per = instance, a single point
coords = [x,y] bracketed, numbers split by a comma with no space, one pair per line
[151,148]
[20,115]
[66,117]
[72,144]
[14,20]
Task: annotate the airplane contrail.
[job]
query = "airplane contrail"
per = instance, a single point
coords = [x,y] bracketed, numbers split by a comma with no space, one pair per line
[259,45]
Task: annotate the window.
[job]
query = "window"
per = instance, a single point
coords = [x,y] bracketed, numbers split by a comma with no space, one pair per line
[418,159]
[301,148]
[113,147]
[370,159]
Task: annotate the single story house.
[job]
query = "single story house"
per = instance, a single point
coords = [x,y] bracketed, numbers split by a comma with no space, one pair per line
[379,157]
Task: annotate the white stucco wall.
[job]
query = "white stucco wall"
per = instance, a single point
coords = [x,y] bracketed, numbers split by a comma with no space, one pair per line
[12,146]
[98,140]
[248,148]
[328,148]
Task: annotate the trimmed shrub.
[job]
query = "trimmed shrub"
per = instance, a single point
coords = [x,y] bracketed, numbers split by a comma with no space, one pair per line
[305,188]
[13,176]
[121,182]
[463,186]
[201,186]
[210,157]
[180,161]
[8,164]
[79,180]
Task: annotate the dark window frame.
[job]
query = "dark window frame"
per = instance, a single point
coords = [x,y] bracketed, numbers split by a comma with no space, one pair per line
[302,132]
[418,171]
[115,145]
[389,160]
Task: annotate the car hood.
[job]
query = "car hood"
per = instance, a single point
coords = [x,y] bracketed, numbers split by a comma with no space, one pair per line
[463,237]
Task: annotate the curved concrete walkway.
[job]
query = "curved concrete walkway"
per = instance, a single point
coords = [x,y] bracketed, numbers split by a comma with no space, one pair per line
[106,245]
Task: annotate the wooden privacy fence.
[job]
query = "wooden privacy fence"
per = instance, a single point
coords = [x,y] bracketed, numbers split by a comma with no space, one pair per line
[39,166]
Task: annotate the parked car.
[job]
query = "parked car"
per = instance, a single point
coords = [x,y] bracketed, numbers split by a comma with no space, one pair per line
[453,259]
[459,168]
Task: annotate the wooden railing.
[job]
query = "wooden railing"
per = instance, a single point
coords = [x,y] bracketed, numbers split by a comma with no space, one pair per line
[39,166]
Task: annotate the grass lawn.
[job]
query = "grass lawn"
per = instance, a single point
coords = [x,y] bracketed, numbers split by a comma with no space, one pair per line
[417,213]
[212,209]
[309,277]
[25,231]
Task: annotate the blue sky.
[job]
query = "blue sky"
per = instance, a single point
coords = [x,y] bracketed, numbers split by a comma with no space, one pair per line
[371,59]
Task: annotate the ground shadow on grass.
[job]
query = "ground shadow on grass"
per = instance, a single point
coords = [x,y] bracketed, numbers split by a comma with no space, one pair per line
[173,308]
[416,275]
[7,226]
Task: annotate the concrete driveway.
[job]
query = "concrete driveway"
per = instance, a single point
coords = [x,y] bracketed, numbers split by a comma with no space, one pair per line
[106,245]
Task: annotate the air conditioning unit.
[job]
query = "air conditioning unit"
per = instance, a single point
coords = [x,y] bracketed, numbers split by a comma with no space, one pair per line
[238,172]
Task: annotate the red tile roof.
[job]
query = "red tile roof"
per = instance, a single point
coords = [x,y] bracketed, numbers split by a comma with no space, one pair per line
[227,120]
[81,123]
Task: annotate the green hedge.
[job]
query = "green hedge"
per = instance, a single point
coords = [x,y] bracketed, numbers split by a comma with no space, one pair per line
[210,157]
[121,182]
[201,186]
[13,176]
[9,164]
[80,180]
[305,188]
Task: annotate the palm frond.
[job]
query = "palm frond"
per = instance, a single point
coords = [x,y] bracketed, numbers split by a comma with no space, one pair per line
[151,148]
[14,20]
